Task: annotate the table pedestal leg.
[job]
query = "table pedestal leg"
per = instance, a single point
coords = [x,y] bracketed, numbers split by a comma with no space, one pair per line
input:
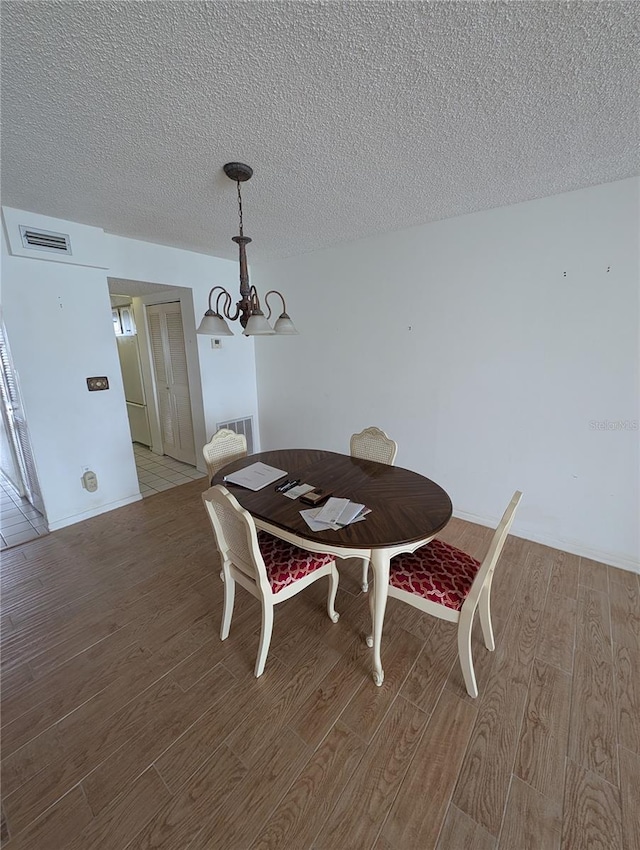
[380,569]
[372,613]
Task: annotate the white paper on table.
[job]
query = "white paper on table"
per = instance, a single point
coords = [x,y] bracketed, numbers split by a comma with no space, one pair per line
[358,518]
[340,512]
[331,510]
[310,517]
[300,490]
[350,513]
[255,476]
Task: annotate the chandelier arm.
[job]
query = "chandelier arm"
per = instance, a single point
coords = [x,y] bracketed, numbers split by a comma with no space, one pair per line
[266,301]
[227,303]
[254,298]
[236,314]
[211,294]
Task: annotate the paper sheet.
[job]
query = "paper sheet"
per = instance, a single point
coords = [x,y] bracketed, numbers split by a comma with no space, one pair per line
[255,476]
[339,512]
[300,490]
[331,510]
[311,518]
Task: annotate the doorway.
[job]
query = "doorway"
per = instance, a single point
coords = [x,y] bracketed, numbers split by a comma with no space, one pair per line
[22,508]
[158,460]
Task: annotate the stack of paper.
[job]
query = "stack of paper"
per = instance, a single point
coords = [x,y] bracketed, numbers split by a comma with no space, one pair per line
[255,476]
[334,514]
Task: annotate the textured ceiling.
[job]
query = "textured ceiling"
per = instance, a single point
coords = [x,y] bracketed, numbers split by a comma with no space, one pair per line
[358,117]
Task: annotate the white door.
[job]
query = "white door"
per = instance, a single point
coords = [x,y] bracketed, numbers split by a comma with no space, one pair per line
[172,383]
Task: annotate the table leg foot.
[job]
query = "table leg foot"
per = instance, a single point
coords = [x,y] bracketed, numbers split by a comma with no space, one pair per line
[369,641]
[378,677]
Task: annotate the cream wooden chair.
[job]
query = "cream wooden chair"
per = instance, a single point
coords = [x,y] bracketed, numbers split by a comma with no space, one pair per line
[372,444]
[449,584]
[222,448]
[269,568]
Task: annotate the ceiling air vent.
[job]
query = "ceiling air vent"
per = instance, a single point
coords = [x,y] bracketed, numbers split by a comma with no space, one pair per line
[45,240]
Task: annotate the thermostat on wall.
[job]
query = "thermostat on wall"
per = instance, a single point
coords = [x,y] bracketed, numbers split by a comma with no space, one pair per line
[97,384]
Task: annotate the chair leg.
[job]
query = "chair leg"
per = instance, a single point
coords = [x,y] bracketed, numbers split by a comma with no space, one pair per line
[365,575]
[265,637]
[464,652]
[333,589]
[484,606]
[229,598]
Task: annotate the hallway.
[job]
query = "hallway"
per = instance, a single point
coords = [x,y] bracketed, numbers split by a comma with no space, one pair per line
[161,472]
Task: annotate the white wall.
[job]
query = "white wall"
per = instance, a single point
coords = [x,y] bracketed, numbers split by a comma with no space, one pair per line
[58,322]
[486,345]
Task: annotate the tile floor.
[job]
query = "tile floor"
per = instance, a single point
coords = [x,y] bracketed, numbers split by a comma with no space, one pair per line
[19,520]
[160,472]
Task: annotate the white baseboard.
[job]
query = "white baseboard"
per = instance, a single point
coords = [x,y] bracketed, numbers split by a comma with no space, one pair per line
[111,506]
[614,559]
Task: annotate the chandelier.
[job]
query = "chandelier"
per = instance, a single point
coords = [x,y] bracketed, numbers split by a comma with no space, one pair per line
[248,308]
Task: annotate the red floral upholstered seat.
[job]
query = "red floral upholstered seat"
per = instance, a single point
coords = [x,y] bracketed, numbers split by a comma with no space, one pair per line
[287,563]
[438,572]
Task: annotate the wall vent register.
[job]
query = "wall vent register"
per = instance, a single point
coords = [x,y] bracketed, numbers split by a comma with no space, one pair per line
[45,240]
[241,426]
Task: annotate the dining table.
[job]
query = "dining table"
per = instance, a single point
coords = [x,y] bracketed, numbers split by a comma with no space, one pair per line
[406,511]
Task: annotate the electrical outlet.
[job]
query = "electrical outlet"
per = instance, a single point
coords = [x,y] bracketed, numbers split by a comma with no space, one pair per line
[90,481]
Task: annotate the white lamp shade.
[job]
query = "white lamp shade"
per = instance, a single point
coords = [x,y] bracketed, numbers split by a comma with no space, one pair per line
[213,324]
[284,325]
[258,326]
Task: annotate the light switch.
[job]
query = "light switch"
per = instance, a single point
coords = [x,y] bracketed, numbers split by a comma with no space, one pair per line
[94,384]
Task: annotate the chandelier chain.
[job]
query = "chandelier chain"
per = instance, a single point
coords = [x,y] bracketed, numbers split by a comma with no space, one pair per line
[240,207]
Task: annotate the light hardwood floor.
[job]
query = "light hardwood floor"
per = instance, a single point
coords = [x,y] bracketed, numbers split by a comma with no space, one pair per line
[127,723]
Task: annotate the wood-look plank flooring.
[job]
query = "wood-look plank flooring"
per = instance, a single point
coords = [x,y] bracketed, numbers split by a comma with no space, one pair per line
[128,724]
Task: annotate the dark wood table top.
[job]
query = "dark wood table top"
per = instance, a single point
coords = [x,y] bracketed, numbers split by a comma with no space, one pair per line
[405,507]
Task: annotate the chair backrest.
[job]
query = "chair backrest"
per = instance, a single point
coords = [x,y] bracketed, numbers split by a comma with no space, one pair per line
[235,533]
[222,448]
[374,444]
[488,565]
